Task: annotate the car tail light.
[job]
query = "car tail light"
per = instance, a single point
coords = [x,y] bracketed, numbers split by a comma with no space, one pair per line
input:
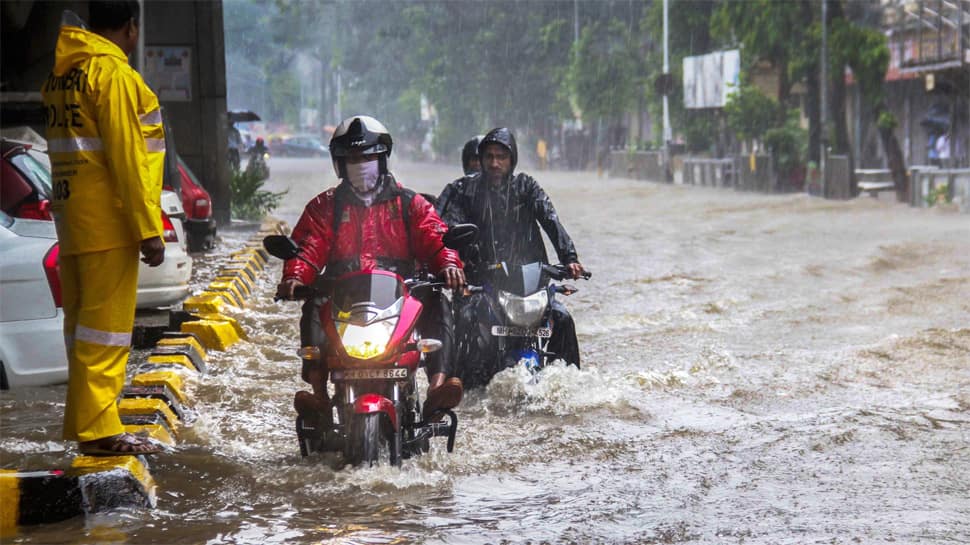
[36,210]
[202,208]
[52,269]
[168,228]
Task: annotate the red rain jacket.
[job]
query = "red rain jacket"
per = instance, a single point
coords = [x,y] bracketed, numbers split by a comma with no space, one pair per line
[369,237]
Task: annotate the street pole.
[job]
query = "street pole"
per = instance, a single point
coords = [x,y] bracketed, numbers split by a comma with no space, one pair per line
[824,90]
[575,21]
[668,174]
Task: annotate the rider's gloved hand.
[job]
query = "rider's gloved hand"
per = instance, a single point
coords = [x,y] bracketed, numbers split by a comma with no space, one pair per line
[575,269]
[285,288]
[454,277]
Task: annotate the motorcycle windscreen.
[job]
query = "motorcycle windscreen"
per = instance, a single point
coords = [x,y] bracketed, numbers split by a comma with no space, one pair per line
[359,297]
[523,280]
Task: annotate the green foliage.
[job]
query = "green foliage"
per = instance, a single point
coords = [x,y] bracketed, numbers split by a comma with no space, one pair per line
[249,201]
[788,143]
[750,113]
[700,129]
[605,72]
[866,51]
[689,34]
[887,121]
[938,195]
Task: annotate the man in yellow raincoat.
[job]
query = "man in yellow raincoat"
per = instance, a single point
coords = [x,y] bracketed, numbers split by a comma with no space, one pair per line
[107,148]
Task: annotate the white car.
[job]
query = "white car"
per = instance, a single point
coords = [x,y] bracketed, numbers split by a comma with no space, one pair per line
[31,319]
[168,283]
[26,190]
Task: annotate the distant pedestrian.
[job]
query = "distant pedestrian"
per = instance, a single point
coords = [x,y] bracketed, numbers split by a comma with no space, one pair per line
[107,149]
[932,155]
[943,149]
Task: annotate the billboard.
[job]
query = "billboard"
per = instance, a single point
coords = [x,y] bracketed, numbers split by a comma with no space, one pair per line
[709,79]
[168,71]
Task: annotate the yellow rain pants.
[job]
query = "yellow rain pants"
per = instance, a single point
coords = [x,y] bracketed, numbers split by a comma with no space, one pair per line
[98,320]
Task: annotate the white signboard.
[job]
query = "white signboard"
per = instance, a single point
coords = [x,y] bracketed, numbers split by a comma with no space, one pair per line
[168,71]
[709,79]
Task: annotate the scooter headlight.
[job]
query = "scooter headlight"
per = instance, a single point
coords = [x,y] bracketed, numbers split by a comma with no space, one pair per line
[524,311]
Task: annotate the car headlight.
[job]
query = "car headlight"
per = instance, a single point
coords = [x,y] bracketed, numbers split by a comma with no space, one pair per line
[366,342]
[524,311]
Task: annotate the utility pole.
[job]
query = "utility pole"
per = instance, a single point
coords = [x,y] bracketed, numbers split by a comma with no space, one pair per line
[575,21]
[824,90]
[667,136]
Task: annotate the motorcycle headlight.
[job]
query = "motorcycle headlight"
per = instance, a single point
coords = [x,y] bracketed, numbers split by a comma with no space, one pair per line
[366,342]
[524,311]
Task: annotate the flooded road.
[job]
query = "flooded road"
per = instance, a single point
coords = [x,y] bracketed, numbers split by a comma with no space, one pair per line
[757,369]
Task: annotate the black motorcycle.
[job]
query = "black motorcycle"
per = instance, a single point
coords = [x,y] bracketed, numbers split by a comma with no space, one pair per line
[507,320]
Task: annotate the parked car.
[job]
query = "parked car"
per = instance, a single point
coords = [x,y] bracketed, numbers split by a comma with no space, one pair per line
[26,182]
[300,146]
[200,226]
[31,318]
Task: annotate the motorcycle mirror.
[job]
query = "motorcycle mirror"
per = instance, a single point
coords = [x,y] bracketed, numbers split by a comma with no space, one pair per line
[281,246]
[460,235]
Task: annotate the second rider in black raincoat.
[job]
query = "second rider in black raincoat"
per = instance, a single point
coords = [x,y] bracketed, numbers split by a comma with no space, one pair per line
[508,209]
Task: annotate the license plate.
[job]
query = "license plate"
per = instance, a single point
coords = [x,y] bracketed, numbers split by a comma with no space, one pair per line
[513,331]
[393,373]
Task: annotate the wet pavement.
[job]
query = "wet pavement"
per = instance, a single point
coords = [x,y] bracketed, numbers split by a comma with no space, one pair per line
[757,369]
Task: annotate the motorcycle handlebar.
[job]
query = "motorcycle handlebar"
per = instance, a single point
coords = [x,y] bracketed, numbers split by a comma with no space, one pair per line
[561,272]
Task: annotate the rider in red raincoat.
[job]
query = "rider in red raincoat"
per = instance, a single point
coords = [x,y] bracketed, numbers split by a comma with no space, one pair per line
[369,221]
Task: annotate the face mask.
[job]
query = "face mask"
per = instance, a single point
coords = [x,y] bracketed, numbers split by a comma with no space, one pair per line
[363,176]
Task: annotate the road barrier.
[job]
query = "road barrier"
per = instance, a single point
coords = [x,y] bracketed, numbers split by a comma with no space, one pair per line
[152,404]
[929,187]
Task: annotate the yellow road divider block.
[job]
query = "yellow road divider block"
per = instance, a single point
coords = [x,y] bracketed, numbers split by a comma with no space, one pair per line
[150,408]
[256,246]
[240,332]
[215,334]
[157,432]
[112,481]
[37,497]
[188,340]
[161,393]
[242,284]
[9,502]
[253,254]
[238,270]
[207,301]
[230,290]
[173,381]
[169,360]
[251,265]
[186,350]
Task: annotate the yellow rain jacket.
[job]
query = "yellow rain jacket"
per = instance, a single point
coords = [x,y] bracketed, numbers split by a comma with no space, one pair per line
[106,144]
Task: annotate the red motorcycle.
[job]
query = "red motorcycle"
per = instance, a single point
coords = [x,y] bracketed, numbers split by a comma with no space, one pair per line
[373,354]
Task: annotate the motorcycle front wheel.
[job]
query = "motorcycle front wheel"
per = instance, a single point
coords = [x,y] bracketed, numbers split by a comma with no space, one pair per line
[371,439]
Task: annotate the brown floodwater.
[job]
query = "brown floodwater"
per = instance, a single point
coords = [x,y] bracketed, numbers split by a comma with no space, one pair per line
[758,369]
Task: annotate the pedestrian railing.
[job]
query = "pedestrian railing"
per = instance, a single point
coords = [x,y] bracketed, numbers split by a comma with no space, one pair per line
[931,186]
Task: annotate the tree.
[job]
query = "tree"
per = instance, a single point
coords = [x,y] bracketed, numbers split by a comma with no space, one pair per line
[867,53]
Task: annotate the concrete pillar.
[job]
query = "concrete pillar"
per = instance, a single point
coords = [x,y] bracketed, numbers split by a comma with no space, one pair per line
[198,122]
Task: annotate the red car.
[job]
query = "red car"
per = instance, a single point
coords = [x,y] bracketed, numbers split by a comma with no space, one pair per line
[200,226]
[26,188]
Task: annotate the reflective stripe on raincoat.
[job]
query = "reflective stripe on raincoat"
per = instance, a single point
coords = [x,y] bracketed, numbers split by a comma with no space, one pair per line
[106,144]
